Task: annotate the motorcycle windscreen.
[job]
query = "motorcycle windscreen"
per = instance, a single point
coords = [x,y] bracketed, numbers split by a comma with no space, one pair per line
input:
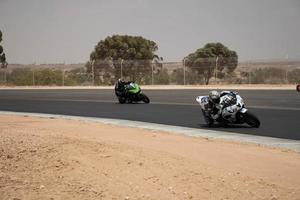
[135,88]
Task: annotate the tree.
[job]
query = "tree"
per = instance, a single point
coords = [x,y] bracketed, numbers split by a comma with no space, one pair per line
[131,54]
[3,62]
[213,57]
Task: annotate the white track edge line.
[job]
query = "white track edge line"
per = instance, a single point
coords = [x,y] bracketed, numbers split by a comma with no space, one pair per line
[158,103]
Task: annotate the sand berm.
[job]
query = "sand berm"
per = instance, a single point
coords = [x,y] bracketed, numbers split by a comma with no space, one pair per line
[69,159]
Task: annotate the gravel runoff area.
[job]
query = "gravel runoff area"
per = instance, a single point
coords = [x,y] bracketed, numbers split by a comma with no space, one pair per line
[56,158]
[169,87]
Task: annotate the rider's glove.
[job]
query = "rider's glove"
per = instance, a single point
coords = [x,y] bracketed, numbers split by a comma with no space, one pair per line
[216,116]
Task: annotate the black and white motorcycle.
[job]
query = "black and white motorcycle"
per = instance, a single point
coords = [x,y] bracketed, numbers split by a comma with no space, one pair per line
[233,110]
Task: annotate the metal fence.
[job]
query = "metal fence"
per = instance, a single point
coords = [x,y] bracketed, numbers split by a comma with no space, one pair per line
[147,72]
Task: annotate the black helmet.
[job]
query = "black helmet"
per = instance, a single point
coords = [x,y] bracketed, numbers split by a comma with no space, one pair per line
[120,81]
[214,96]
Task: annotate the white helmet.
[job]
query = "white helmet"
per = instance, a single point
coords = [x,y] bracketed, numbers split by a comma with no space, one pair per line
[214,96]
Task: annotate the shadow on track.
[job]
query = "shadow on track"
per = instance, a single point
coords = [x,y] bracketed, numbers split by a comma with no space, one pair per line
[221,126]
[135,103]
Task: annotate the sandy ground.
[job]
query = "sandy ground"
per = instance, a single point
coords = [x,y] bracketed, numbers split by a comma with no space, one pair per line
[67,159]
[170,87]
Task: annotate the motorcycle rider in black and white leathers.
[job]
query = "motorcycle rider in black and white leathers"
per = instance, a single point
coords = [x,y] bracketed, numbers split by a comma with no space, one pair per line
[216,106]
[226,107]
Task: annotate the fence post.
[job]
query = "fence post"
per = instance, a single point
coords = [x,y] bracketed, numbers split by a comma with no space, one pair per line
[152,79]
[216,66]
[286,69]
[249,74]
[63,77]
[93,72]
[184,71]
[122,69]
[5,81]
[33,78]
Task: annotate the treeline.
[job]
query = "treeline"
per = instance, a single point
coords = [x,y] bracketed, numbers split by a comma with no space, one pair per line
[271,75]
[134,58]
[80,77]
[43,77]
[138,56]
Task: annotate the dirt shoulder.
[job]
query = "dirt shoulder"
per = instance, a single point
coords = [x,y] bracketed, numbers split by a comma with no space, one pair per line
[67,159]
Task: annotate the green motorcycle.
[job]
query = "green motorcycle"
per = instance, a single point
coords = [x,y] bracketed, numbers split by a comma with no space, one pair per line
[130,92]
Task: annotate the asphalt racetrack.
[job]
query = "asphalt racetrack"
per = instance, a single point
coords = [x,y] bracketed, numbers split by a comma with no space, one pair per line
[278,110]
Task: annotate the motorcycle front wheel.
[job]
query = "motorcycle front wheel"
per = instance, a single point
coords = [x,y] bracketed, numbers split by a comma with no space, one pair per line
[209,121]
[144,98]
[122,100]
[251,119]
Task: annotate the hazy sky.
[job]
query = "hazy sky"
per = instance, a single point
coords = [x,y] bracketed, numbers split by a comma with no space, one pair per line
[52,31]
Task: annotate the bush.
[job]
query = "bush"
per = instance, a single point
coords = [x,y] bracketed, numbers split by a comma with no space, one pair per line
[23,77]
[20,76]
[77,77]
[294,76]
[268,75]
[177,77]
[162,77]
[191,77]
[48,77]
[232,78]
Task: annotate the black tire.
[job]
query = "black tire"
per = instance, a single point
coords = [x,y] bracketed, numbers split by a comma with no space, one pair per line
[144,98]
[251,119]
[122,100]
[209,122]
